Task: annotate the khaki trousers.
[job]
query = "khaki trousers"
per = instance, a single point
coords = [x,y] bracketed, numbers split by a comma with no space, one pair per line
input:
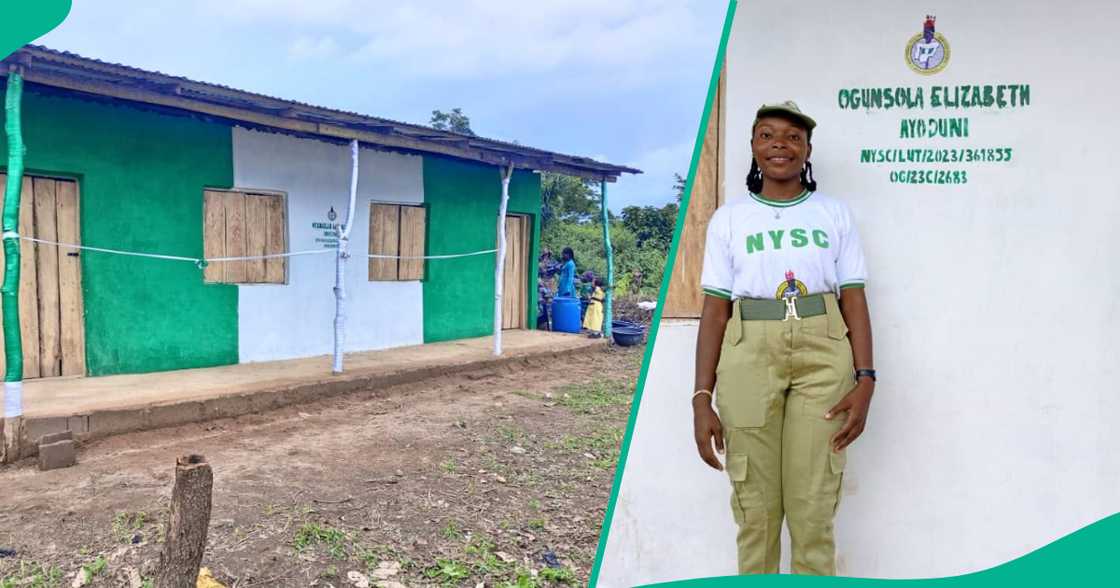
[775,381]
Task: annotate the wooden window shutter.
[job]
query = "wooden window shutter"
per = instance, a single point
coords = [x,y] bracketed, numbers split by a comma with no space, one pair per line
[256,236]
[234,204]
[276,269]
[384,239]
[414,224]
[238,224]
[265,235]
[213,234]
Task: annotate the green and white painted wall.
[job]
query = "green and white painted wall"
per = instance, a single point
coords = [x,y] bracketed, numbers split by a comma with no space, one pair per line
[141,175]
[462,216]
[278,321]
[454,301]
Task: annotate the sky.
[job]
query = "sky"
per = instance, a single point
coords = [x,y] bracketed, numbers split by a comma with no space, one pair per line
[622,81]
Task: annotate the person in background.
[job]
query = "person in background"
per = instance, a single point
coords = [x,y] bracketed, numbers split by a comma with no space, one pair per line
[567,285]
[545,263]
[586,286]
[544,299]
[593,321]
[546,268]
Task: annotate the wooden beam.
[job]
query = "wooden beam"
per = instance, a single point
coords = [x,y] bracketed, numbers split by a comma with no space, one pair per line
[375,128]
[461,142]
[165,87]
[485,154]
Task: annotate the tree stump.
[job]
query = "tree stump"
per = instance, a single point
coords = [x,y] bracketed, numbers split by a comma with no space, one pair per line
[189,520]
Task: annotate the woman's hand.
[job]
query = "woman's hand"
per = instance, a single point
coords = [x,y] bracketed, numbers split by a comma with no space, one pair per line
[853,307]
[713,322]
[708,428]
[856,403]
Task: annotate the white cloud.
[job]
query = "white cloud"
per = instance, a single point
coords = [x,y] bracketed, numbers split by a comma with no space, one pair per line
[491,38]
[667,159]
[655,185]
[305,47]
[623,79]
[303,12]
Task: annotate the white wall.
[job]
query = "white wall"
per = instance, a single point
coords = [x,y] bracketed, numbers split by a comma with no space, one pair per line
[994,303]
[296,319]
[672,519]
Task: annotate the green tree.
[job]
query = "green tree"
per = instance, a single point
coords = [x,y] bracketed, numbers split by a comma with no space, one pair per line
[567,199]
[652,226]
[454,121]
[678,186]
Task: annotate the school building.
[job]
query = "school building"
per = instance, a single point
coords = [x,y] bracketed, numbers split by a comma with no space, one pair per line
[129,160]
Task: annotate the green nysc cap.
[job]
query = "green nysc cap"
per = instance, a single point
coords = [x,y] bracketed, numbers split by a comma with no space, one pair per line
[786,109]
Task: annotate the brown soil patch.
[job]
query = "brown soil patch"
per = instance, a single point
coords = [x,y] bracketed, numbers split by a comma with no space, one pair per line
[484,476]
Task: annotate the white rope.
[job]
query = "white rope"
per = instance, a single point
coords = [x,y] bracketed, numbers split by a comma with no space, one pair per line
[113,251]
[197,260]
[451,256]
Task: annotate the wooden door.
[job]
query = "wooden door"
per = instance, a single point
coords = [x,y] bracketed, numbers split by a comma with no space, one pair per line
[50,290]
[515,279]
[685,299]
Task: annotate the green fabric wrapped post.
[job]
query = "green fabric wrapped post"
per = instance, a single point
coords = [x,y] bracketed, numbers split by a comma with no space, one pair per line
[13,348]
[607,314]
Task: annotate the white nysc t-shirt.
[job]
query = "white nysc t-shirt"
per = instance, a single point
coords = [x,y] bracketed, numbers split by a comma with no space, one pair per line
[760,248]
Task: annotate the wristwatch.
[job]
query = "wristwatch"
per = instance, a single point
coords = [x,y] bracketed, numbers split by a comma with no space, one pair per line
[860,373]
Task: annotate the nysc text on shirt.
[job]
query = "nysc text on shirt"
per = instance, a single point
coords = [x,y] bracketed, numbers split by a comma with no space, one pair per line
[761,248]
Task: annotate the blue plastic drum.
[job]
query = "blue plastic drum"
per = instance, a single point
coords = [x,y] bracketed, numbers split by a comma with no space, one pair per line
[565,314]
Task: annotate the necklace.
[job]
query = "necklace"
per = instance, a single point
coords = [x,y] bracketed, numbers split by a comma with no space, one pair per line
[777,208]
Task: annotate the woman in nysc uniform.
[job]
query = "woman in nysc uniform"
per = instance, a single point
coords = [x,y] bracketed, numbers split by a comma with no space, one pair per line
[785,341]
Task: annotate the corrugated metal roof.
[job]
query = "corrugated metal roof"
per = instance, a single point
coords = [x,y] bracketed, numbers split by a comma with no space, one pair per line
[74,72]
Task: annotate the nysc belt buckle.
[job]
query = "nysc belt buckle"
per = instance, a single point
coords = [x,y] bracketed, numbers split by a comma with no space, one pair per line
[791,309]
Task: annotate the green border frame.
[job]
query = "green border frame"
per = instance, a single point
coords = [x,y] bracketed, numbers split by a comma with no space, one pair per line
[713,89]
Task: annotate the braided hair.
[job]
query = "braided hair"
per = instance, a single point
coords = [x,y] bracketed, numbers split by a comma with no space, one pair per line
[754,177]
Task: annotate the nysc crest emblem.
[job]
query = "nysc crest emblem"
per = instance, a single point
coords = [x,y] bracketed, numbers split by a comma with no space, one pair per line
[928,51]
[791,287]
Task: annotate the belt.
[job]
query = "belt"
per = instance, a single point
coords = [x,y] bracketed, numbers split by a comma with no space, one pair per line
[798,307]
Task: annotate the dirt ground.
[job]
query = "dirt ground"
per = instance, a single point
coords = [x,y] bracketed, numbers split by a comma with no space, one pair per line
[498,477]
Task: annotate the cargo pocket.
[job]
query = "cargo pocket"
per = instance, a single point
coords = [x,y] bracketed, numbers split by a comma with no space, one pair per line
[742,507]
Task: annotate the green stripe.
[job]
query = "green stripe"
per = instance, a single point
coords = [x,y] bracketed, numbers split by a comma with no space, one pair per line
[1052,565]
[670,262]
[718,293]
[803,196]
[851,285]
